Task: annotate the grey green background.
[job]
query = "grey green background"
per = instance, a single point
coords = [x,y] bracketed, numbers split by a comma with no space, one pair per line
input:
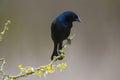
[94,53]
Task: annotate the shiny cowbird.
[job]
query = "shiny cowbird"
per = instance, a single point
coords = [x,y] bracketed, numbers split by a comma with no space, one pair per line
[60,30]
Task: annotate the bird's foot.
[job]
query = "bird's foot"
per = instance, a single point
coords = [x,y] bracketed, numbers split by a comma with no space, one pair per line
[60,55]
[69,41]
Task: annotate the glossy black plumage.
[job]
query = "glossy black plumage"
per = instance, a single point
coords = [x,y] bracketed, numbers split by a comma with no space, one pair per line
[60,30]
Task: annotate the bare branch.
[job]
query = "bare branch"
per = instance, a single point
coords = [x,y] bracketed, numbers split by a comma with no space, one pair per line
[5,29]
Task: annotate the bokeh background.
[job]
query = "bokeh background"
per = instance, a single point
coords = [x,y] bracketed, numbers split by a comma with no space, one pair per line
[94,53]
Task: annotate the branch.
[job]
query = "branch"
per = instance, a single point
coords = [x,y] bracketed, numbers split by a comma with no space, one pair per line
[5,29]
[1,66]
[40,71]
[4,76]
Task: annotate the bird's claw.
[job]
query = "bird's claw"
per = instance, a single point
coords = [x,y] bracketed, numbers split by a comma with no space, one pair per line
[58,52]
[60,55]
[69,41]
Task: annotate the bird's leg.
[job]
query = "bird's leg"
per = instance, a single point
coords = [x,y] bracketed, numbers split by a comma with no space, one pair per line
[58,52]
[59,47]
[69,41]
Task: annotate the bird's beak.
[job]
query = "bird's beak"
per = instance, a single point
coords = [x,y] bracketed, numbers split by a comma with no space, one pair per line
[78,19]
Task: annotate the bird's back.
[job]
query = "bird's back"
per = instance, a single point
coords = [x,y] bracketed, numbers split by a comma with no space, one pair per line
[60,29]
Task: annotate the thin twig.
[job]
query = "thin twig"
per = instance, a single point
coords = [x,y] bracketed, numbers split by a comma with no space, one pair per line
[2,65]
[5,29]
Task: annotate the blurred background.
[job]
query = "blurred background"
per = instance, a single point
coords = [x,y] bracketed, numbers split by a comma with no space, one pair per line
[94,53]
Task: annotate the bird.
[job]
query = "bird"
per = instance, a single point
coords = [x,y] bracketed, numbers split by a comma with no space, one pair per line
[60,30]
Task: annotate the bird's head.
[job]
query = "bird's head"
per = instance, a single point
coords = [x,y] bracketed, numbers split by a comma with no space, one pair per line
[71,16]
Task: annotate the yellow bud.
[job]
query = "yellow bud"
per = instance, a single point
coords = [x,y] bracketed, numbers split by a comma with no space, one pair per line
[20,66]
[38,72]
[11,78]
[9,21]
[30,69]
[62,66]
[49,67]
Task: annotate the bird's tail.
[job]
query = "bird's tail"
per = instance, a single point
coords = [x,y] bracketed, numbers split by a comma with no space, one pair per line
[56,51]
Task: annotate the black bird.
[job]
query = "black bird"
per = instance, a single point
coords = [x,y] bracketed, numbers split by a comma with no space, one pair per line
[60,30]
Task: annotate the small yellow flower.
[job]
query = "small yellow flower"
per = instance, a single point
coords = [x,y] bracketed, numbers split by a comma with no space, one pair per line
[50,69]
[29,69]
[62,66]
[20,66]
[11,78]
[38,72]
